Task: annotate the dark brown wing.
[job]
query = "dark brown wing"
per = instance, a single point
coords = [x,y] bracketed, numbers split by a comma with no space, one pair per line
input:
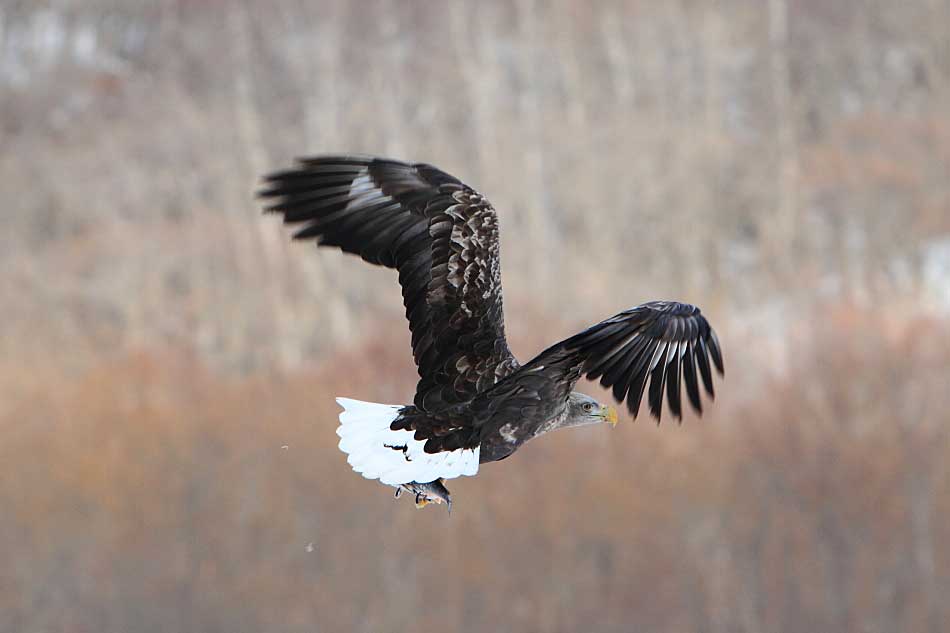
[662,343]
[442,237]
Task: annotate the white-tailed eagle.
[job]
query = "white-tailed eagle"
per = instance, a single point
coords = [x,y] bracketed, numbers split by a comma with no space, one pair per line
[474,403]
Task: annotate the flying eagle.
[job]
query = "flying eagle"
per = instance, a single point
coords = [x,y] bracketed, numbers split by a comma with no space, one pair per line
[474,402]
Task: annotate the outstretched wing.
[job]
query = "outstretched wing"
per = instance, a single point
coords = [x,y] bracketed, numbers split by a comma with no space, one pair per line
[442,237]
[662,343]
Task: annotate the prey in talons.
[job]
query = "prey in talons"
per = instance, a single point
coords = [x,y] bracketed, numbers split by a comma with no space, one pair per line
[432,492]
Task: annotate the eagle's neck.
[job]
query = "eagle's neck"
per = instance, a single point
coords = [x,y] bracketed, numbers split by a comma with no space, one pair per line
[559,421]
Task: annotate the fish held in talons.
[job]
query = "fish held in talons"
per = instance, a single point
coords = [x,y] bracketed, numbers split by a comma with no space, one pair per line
[426,493]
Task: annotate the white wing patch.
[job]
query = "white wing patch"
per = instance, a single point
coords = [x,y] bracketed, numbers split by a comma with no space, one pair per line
[394,457]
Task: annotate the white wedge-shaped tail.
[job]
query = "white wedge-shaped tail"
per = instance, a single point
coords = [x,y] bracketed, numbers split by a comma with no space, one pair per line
[394,457]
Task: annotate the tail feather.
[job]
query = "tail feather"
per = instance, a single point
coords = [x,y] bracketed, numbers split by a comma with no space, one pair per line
[394,457]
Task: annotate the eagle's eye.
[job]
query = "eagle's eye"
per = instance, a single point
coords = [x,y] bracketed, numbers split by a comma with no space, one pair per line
[588,407]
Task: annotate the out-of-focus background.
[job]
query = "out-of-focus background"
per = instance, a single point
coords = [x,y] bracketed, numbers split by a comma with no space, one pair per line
[168,360]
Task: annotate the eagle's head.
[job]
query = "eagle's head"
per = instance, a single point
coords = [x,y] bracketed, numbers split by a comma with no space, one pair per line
[583,410]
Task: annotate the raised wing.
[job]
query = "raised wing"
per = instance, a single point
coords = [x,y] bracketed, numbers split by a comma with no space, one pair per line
[442,237]
[662,343]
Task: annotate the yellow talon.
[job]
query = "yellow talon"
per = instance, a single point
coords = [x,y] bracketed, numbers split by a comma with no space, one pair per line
[422,502]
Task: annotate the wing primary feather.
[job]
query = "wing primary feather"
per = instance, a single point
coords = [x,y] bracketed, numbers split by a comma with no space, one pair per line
[703,361]
[319,199]
[620,368]
[625,381]
[617,363]
[312,213]
[302,187]
[320,165]
[658,354]
[673,385]
[657,379]
[714,351]
[689,377]
[640,374]
[613,339]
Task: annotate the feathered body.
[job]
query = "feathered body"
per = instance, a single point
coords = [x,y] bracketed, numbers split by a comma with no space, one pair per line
[474,402]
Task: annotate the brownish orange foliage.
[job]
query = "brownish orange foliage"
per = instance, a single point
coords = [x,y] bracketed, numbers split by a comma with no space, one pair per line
[152,492]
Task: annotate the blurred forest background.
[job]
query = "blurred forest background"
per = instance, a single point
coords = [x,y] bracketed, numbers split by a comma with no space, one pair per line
[168,360]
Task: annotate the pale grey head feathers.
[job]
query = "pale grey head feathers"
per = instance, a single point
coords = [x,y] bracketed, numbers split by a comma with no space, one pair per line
[583,410]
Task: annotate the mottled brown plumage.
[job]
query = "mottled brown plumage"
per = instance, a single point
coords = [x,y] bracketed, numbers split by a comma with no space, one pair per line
[443,238]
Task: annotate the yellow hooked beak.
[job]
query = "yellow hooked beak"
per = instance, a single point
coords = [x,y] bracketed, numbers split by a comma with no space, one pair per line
[610,415]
